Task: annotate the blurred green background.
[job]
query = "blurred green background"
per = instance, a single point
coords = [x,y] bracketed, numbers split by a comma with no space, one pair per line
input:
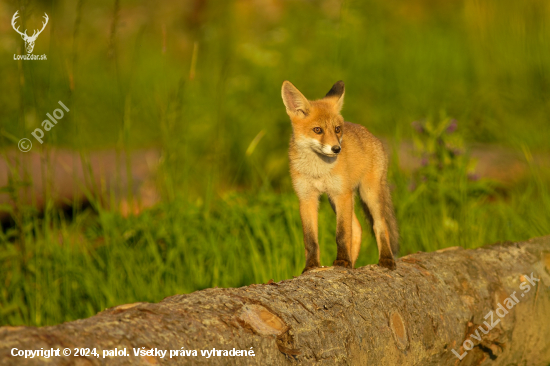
[200,81]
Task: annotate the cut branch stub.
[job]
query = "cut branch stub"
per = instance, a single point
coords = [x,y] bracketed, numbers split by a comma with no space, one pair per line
[443,308]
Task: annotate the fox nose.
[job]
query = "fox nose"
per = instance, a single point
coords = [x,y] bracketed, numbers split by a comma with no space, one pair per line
[336,149]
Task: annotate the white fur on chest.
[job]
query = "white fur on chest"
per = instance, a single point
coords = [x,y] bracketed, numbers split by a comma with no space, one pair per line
[316,176]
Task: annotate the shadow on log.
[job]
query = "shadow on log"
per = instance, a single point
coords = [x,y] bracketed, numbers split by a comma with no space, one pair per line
[435,308]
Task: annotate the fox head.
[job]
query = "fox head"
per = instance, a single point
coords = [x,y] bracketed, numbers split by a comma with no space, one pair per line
[316,124]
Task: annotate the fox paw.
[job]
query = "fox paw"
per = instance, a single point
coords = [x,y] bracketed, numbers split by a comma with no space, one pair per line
[387,262]
[342,263]
[309,268]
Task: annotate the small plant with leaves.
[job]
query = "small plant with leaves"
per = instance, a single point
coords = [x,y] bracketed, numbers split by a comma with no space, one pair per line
[447,172]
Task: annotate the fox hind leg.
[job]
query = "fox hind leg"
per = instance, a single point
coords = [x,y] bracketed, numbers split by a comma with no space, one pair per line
[345,224]
[356,232]
[376,198]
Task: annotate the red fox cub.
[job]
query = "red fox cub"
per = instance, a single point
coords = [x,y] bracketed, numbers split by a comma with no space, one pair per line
[328,155]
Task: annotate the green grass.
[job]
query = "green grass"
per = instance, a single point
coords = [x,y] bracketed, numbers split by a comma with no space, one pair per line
[202,85]
[69,269]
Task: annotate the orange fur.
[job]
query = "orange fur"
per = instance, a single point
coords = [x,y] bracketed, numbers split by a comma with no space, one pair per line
[328,155]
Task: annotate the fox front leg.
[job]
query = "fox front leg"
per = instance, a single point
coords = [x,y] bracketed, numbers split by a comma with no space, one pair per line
[309,214]
[343,206]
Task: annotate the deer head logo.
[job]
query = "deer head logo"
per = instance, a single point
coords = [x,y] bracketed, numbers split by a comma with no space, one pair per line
[29,40]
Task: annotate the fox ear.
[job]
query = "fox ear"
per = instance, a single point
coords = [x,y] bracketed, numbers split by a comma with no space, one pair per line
[295,102]
[337,94]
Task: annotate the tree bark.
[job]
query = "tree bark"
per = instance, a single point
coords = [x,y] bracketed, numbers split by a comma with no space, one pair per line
[432,304]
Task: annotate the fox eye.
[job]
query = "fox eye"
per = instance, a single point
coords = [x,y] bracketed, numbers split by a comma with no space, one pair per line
[337,129]
[318,130]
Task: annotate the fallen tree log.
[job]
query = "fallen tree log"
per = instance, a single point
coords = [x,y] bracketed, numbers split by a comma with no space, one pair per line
[66,177]
[487,306]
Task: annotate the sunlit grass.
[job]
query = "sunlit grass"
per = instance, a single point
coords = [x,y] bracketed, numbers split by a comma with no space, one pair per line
[203,92]
[73,269]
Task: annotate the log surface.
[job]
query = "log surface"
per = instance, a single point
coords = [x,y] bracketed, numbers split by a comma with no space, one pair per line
[415,315]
